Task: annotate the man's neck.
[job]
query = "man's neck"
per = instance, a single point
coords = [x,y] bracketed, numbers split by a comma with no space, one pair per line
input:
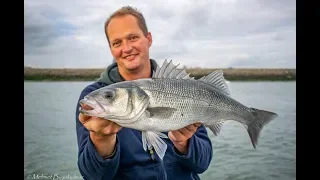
[144,72]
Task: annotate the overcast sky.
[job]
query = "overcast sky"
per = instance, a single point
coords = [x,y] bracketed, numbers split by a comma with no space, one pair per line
[206,33]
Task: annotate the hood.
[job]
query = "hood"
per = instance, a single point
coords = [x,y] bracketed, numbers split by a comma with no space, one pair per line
[111,74]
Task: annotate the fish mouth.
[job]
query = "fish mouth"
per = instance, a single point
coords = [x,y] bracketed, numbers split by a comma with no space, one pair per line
[88,106]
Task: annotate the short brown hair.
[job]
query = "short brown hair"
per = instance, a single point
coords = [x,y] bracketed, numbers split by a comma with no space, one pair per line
[128,10]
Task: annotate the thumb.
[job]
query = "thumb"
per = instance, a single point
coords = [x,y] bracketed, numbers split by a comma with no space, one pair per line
[83,118]
[171,136]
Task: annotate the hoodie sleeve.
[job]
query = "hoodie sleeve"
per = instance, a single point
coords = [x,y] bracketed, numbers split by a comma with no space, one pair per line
[91,165]
[199,153]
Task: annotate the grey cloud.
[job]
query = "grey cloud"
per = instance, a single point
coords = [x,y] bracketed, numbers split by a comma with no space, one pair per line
[278,38]
[246,62]
[255,33]
[209,21]
[43,25]
[172,49]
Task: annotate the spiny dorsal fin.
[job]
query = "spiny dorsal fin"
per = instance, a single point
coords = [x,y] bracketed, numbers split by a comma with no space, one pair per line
[154,72]
[216,79]
[169,70]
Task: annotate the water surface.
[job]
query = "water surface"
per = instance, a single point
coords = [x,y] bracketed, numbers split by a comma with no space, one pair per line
[51,144]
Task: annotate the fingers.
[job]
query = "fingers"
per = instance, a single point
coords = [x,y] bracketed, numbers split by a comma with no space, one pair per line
[184,133]
[83,118]
[192,127]
[176,136]
[99,125]
[197,124]
[95,124]
[112,128]
[188,131]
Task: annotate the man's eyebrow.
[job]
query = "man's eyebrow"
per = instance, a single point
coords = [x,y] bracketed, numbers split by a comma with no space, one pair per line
[132,34]
[114,40]
[128,35]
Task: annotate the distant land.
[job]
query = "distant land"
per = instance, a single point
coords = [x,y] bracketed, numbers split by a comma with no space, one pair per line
[231,74]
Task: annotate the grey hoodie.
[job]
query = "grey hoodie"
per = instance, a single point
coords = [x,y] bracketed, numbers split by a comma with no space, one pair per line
[111,74]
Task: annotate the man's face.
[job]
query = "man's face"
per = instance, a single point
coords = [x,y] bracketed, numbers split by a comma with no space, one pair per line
[128,44]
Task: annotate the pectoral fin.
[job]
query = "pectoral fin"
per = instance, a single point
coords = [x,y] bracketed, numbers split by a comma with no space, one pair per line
[153,139]
[160,112]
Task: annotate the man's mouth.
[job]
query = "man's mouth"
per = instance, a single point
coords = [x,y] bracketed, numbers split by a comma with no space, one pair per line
[130,57]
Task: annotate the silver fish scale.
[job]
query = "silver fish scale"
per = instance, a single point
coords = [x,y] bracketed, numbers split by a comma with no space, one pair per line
[194,101]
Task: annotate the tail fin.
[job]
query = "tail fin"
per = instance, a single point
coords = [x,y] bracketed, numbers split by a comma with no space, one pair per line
[261,118]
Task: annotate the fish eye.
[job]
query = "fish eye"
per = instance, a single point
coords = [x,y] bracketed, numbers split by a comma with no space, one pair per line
[108,95]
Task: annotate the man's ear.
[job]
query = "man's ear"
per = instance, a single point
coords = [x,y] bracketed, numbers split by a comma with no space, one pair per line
[149,37]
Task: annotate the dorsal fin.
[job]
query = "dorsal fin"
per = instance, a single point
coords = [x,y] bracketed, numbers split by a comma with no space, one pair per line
[216,79]
[169,70]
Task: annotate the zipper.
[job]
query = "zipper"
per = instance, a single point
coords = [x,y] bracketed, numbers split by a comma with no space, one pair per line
[151,152]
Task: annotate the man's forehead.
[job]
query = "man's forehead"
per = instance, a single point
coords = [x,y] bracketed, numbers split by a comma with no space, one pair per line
[120,27]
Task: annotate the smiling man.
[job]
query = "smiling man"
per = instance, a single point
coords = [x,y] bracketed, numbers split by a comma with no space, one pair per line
[108,151]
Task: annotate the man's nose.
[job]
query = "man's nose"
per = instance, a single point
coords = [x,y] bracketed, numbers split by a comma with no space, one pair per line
[127,47]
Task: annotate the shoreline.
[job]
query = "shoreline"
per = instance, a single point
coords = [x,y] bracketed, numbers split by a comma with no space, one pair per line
[237,74]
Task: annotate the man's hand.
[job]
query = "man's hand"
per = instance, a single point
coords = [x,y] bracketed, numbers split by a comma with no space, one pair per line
[180,138]
[102,133]
[99,126]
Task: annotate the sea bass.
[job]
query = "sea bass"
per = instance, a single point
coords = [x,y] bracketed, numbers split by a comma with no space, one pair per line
[171,100]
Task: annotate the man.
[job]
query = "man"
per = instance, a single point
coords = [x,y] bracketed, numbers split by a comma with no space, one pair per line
[108,151]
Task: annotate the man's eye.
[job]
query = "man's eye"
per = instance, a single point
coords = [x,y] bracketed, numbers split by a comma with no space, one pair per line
[116,43]
[133,37]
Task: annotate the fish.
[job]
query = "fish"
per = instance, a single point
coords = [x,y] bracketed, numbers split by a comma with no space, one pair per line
[170,100]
